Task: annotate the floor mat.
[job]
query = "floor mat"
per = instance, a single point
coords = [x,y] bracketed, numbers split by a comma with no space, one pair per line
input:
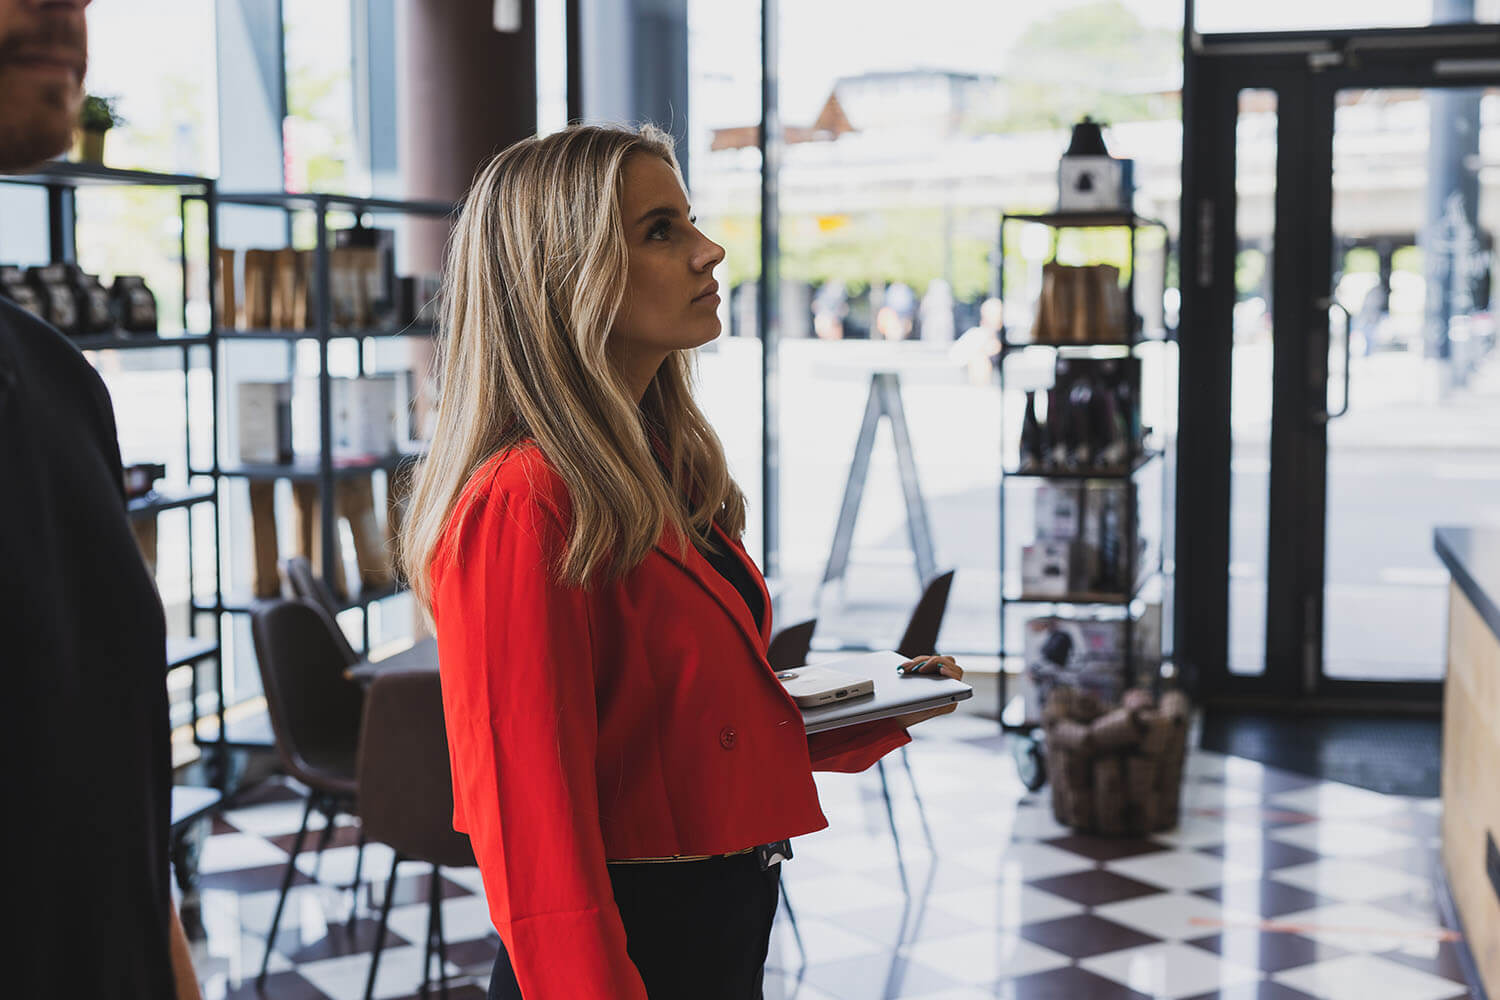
[1392,755]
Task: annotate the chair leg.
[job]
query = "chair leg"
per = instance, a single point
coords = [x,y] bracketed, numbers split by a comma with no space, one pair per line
[921,812]
[385,919]
[890,814]
[791,917]
[324,836]
[286,885]
[359,866]
[437,926]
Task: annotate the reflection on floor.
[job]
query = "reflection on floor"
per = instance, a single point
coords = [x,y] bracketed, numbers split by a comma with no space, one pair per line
[1274,886]
[1397,755]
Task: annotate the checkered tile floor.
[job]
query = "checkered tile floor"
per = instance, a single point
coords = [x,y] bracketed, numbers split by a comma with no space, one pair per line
[1274,887]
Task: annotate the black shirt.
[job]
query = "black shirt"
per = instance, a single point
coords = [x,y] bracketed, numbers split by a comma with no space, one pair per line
[83,659]
[728,565]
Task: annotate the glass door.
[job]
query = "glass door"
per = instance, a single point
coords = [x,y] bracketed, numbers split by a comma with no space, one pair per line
[1412,427]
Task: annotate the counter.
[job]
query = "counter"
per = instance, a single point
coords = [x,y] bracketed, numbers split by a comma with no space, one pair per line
[1471,740]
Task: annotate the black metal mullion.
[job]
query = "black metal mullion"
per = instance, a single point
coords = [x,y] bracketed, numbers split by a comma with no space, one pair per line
[325,399]
[768,304]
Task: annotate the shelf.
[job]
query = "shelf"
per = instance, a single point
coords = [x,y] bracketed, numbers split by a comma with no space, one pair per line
[250,731]
[159,500]
[182,650]
[310,469]
[62,173]
[1085,220]
[1010,346]
[1116,474]
[1086,597]
[316,201]
[240,603]
[411,330]
[122,341]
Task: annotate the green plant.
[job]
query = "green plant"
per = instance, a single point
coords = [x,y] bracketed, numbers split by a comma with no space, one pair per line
[99,114]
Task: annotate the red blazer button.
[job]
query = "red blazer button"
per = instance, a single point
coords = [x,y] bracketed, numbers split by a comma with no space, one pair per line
[726,738]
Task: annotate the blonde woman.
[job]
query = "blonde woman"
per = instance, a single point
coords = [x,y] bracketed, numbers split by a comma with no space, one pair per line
[620,747]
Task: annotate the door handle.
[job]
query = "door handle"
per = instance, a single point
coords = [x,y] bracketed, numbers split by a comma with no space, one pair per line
[1323,415]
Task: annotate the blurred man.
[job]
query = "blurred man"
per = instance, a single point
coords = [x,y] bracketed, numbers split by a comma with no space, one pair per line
[82,639]
[978,348]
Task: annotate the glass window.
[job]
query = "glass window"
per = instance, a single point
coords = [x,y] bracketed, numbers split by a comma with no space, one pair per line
[1223,16]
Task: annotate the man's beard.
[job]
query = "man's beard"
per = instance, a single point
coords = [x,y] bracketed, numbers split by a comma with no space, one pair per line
[43,134]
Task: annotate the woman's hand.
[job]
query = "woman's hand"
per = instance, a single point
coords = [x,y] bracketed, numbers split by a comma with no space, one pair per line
[929,666]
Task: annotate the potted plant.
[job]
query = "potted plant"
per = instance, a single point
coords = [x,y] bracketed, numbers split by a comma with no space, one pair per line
[97,117]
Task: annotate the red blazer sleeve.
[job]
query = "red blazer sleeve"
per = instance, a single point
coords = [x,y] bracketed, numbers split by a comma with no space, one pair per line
[519,696]
[855,748]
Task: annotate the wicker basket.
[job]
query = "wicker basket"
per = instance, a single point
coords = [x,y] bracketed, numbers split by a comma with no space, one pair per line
[1117,771]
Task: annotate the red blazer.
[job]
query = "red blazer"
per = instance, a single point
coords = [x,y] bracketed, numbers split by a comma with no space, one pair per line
[637,718]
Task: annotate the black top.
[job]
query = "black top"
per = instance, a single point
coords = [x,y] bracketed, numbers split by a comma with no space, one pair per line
[728,565]
[1472,555]
[83,657]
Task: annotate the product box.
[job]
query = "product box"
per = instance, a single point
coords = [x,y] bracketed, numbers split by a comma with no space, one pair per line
[1047,568]
[263,412]
[1057,510]
[1088,654]
[1105,539]
[1094,184]
[365,415]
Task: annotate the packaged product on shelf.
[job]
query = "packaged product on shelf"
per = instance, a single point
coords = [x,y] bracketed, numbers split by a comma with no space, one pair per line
[1047,568]
[94,312]
[374,270]
[263,412]
[58,301]
[133,303]
[1103,540]
[284,290]
[365,415]
[260,269]
[140,478]
[343,288]
[305,295]
[226,302]
[1058,510]
[1087,655]
[13,286]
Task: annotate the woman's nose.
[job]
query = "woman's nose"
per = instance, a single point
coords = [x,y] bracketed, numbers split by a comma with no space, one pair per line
[709,256]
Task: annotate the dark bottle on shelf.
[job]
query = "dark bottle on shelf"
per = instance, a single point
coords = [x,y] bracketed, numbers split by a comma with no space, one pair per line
[1031,436]
[1055,455]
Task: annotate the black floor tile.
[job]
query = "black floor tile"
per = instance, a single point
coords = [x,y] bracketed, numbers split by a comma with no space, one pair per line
[1271,854]
[1265,990]
[1106,848]
[251,879]
[1084,935]
[341,940]
[1265,951]
[1095,888]
[1266,897]
[1068,983]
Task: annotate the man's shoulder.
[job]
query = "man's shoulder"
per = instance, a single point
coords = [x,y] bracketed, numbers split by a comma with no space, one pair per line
[38,344]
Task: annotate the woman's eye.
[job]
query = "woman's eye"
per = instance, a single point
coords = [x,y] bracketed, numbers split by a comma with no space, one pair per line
[659,231]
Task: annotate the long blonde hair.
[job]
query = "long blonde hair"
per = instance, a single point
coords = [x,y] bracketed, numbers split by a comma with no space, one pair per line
[535,277]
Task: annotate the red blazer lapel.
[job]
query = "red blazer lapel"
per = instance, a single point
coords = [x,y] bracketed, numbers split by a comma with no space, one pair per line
[705,576]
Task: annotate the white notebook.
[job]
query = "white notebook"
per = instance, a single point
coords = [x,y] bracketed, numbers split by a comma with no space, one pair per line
[893,694]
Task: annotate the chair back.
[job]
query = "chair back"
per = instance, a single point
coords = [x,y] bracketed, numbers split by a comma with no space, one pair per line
[921,633]
[405,786]
[310,587]
[315,711]
[789,647]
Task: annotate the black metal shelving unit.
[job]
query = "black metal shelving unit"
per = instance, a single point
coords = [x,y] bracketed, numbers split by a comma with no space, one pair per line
[1140,458]
[61,181]
[253,732]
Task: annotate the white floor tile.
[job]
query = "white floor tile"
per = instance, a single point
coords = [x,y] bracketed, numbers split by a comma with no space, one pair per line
[1182,869]
[1168,971]
[1333,801]
[344,978]
[1350,880]
[1358,927]
[1036,822]
[1206,831]
[824,940]
[832,894]
[233,851]
[1342,838]
[1360,977]
[272,819]
[983,958]
[464,919]
[1007,905]
[1023,862]
[1176,916]
[337,865]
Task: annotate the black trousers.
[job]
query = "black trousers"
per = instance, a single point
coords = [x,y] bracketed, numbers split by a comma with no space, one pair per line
[696,930]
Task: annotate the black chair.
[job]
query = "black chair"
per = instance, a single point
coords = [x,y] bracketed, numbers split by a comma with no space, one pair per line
[789,646]
[919,639]
[315,716]
[406,798]
[309,586]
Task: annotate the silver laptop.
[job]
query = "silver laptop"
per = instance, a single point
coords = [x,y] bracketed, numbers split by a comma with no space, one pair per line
[893,695]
